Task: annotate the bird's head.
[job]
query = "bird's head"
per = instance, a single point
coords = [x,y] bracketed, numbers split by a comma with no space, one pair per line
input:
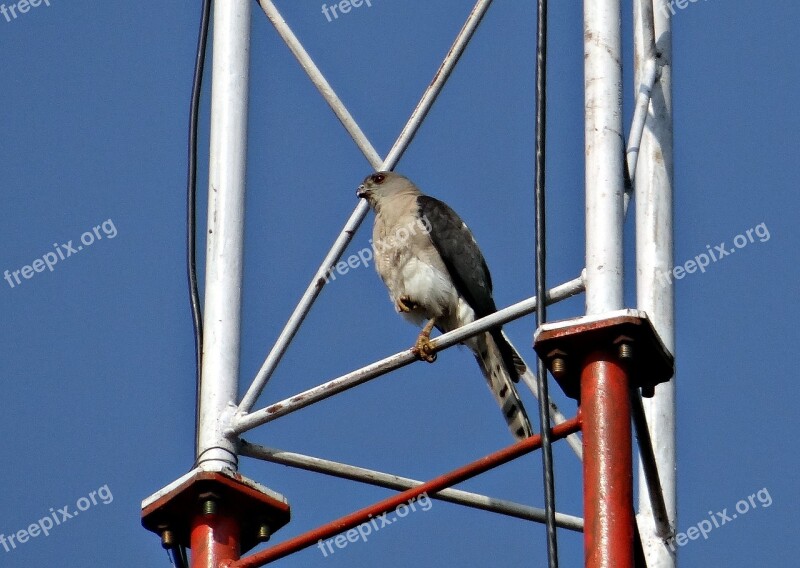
[381,185]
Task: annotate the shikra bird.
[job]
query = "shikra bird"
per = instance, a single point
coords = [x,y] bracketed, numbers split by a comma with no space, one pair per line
[439,276]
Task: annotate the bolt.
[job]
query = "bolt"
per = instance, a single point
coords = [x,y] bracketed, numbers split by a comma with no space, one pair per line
[208,502]
[167,539]
[263,533]
[209,507]
[558,366]
[625,351]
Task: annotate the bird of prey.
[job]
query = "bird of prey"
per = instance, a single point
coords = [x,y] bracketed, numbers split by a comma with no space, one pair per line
[439,276]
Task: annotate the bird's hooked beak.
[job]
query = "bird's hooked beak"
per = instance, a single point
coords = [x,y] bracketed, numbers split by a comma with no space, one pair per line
[362,191]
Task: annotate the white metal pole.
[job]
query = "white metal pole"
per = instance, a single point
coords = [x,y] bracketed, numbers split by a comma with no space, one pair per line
[605,151]
[654,259]
[645,72]
[225,236]
[381,479]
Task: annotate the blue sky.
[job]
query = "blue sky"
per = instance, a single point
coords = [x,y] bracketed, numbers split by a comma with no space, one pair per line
[96,357]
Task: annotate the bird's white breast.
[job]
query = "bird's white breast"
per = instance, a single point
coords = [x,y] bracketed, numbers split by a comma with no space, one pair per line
[412,268]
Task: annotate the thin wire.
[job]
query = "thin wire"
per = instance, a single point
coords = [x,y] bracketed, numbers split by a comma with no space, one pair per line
[541,289]
[178,555]
[191,211]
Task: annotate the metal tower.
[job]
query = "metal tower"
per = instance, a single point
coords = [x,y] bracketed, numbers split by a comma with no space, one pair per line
[607,359]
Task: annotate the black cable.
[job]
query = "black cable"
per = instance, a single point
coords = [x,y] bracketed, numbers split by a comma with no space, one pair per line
[541,290]
[191,210]
[178,555]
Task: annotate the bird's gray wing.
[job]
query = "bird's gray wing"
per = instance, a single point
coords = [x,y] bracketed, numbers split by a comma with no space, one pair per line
[460,253]
[464,261]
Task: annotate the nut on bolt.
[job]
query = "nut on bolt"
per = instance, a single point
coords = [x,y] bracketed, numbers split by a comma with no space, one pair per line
[559,366]
[209,503]
[624,348]
[558,363]
[263,532]
[167,538]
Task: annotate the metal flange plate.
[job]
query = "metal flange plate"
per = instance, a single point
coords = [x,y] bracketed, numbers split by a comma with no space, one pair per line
[564,346]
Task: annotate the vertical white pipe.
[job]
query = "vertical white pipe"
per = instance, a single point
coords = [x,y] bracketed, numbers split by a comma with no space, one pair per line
[225,236]
[604,155]
[654,260]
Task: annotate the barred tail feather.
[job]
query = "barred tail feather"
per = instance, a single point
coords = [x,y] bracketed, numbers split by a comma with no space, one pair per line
[501,383]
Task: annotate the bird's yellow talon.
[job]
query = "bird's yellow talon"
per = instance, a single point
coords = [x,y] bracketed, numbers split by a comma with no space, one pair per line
[424,350]
[423,346]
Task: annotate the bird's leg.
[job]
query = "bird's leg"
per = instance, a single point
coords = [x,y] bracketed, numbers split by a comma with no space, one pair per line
[423,346]
[405,304]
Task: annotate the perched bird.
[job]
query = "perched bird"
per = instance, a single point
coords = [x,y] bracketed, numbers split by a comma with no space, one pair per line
[439,276]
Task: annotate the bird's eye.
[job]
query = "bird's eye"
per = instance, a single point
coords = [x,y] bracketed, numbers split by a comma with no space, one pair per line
[378,178]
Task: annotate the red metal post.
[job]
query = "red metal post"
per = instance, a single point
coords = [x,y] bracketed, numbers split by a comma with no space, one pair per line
[215,539]
[607,463]
[598,361]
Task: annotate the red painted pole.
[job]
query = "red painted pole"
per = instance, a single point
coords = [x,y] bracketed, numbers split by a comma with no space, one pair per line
[607,463]
[215,539]
[437,484]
